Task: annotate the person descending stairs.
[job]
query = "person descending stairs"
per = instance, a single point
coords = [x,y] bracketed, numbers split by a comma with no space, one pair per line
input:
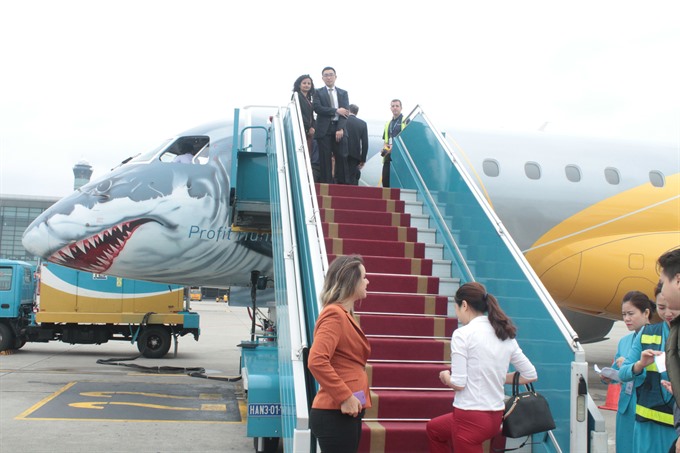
[404,315]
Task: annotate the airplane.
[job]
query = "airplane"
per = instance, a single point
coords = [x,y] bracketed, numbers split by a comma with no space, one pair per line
[591,216]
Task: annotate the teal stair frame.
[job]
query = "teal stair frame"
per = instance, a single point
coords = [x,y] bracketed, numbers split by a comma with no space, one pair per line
[300,261]
[475,241]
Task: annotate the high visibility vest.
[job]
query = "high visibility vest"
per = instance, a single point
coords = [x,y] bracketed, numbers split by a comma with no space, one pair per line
[653,402]
[386,133]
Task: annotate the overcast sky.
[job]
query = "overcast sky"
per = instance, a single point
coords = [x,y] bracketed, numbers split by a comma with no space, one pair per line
[100,81]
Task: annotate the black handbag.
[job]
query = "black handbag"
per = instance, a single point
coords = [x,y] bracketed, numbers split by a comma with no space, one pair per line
[526,413]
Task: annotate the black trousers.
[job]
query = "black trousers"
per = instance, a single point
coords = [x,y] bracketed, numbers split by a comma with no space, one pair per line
[386,171]
[328,147]
[335,431]
[353,171]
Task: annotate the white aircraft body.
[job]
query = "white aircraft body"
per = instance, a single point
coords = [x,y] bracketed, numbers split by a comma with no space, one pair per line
[591,216]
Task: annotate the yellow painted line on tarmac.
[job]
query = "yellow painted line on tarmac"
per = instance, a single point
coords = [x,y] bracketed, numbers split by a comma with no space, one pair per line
[100,405]
[151,395]
[44,401]
[211,407]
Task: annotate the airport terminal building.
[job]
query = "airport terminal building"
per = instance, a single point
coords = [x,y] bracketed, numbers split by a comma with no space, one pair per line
[16,213]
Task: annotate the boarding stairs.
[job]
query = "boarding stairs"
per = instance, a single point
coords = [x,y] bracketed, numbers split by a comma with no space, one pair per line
[420,240]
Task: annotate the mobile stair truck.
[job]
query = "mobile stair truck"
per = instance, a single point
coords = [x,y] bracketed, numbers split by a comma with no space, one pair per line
[77,307]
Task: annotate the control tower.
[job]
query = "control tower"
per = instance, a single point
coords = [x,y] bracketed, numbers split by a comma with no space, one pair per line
[82,171]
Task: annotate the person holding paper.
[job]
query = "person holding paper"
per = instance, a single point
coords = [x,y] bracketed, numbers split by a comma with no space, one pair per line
[337,359]
[637,311]
[645,366]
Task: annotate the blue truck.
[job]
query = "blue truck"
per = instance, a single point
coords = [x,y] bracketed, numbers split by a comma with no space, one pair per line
[56,303]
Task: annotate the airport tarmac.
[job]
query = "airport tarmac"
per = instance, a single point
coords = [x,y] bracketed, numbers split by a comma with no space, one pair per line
[55,398]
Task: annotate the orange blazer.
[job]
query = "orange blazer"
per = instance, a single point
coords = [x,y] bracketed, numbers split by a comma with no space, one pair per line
[337,358]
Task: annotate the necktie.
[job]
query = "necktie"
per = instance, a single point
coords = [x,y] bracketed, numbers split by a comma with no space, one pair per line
[330,93]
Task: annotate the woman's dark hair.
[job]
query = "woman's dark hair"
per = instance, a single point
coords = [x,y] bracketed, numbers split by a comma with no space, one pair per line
[641,302]
[298,82]
[342,278]
[657,289]
[479,300]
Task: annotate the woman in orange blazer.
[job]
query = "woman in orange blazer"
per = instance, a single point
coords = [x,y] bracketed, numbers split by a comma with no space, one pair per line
[337,359]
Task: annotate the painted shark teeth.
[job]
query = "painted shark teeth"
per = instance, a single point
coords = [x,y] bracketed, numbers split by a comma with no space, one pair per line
[97,253]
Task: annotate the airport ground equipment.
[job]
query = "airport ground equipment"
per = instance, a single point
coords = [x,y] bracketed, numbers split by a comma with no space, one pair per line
[77,307]
[461,239]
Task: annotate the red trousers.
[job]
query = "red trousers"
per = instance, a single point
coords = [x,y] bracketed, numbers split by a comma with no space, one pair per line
[463,431]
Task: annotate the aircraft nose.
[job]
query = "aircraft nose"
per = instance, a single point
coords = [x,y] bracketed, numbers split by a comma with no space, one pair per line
[602,270]
[36,238]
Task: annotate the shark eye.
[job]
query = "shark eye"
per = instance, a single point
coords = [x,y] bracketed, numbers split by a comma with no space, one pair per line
[104,186]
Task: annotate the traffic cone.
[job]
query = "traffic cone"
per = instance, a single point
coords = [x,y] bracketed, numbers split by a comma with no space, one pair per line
[612,401]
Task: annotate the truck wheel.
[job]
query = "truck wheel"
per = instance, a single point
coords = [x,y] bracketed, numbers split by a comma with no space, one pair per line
[6,337]
[18,344]
[154,342]
[269,444]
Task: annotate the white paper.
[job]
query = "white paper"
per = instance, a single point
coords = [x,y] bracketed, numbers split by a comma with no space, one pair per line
[660,361]
[607,372]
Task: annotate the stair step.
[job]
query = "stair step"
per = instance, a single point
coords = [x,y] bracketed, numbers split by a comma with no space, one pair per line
[420,284]
[374,324]
[366,218]
[358,231]
[413,207]
[339,246]
[361,204]
[426,235]
[395,265]
[420,404]
[341,190]
[397,374]
[393,437]
[403,303]
[408,194]
[441,268]
[410,349]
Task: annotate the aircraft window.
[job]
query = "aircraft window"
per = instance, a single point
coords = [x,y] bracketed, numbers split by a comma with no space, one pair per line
[573,173]
[185,150]
[532,170]
[612,175]
[150,154]
[656,178]
[490,167]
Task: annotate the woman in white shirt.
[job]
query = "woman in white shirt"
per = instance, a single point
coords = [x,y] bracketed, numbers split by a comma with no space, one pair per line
[481,352]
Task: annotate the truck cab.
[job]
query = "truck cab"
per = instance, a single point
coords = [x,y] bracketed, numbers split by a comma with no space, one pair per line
[17,289]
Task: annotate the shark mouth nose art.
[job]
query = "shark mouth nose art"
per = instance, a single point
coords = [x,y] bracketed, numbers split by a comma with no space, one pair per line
[97,253]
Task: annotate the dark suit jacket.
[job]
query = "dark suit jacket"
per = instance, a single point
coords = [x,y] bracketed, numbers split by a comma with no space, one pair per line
[357,137]
[337,358]
[306,109]
[325,112]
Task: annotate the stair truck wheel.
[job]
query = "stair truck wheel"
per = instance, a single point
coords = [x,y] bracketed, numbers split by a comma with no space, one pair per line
[6,337]
[269,444]
[154,342]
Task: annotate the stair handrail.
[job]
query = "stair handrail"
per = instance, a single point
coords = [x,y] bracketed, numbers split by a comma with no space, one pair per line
[451,243]
[579,368]
[310,204]
[296,430]
[556,314]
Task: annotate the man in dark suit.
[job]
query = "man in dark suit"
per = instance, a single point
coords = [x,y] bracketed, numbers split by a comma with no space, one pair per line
[331,105]
[357,142]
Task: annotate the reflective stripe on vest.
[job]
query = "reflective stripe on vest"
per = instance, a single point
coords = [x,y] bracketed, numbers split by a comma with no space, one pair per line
[650,339]
[651,405]
[651,414]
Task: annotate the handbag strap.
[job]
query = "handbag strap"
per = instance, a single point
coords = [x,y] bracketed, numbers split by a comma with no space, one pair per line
[515,385]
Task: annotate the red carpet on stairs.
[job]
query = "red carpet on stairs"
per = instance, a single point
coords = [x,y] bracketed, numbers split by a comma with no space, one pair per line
[404,316]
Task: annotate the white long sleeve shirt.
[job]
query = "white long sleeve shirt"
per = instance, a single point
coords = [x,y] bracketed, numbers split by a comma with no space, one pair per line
[479,363]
